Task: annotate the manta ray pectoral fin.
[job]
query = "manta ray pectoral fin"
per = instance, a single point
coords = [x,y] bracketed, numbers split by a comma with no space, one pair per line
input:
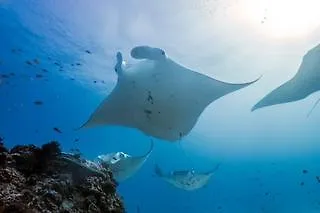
[222,88]
[147,52]
[86,124]
[285,93]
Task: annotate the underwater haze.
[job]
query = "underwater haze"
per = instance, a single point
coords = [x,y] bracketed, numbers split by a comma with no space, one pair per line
[57,63]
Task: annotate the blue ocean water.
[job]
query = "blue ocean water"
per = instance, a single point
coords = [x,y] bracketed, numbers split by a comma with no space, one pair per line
[44,57]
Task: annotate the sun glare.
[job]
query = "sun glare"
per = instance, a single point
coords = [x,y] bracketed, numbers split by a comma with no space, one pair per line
[283,18]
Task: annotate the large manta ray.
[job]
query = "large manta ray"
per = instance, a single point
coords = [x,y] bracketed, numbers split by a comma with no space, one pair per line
[188,180]
[305,82]
[158,96]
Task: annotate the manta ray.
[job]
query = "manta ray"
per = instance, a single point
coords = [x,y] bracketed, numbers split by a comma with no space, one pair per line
[305,82]
[158,96]
[188,180]
[123,165]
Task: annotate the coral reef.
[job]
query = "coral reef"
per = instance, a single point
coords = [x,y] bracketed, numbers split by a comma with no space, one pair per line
[34,179]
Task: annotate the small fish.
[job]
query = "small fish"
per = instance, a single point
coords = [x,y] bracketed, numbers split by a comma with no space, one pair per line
[36,61]
[29,63]
[57,64]
[76,140]
[72,79]
[95,82]
[44,70]
[57,130]
[4,76]
[304,171]
[38,102]
[78,64]
[88,51]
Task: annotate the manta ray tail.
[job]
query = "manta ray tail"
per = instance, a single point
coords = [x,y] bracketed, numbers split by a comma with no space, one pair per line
[314,106]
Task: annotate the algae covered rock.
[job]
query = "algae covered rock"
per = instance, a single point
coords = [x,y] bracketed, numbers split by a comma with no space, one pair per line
[34,179]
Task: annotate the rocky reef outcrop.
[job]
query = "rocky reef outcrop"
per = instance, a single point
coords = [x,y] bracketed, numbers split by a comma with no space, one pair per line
[34,179]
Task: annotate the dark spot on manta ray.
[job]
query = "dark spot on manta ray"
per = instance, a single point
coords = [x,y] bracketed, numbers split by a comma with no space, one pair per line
[29,63]
[304,171]
[38,102]
[88,51]
[57,130]
[147,111]
[150,98]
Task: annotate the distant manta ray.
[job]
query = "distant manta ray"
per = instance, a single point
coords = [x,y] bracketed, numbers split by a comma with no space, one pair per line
[305,82]
[158,96]
[188,180]
[123,165]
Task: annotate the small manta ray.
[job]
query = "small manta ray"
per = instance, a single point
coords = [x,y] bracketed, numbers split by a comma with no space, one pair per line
[158,96]
[123,165]
[187,180]
[305,82]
